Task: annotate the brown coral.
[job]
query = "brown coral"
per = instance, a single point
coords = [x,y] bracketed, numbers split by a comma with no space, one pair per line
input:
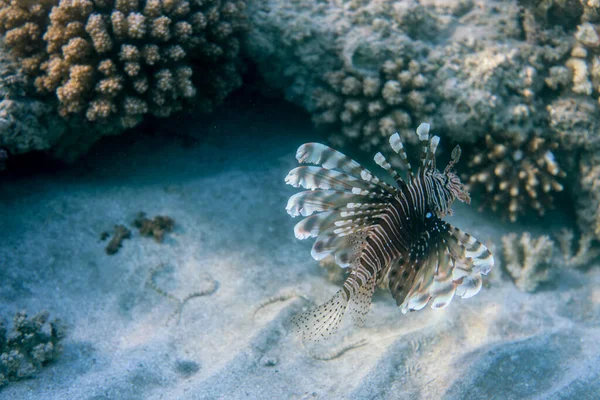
[528,260]
[121,233]
[367,109]
[156,227]
[511,178]
[23,22]
[125,59]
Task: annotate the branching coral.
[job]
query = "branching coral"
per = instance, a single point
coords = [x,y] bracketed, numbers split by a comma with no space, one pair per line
[588,193]
[367,109]
[23,23]
[128,58]
[513,177]
[586,251]
[527,260]
[33,343]
[573,116]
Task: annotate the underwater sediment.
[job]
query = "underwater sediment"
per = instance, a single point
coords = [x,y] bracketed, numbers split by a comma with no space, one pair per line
[194,298]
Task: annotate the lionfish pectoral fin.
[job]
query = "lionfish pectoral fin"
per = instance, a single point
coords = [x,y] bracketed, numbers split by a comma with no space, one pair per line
[322,321]
[360,302]
[480,259]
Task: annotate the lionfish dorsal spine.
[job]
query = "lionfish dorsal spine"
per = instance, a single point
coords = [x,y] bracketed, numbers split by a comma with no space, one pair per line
[398,147]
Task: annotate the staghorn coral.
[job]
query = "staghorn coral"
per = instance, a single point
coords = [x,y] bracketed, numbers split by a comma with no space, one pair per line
[513,178]
[369,108]
[32,343]
[527,260]
[108,60]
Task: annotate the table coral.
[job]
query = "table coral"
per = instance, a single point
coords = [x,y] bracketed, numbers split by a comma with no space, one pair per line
[527,259]
[120,60]
[32,343]
[513,178]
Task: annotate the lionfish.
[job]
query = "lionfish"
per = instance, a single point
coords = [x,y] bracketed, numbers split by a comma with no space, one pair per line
[379,230]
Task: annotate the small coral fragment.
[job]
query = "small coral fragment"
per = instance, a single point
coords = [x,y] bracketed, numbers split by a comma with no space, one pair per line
[510,178]
[121,233]
[32,344]
[528,260]
[156,227]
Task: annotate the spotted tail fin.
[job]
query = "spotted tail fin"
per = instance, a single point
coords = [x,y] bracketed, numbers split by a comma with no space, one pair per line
[323,321]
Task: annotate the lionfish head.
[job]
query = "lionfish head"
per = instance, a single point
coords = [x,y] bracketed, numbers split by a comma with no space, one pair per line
[456,188]
[453,183]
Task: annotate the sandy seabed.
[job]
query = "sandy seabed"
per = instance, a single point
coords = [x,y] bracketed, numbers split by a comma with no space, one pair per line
[221,180]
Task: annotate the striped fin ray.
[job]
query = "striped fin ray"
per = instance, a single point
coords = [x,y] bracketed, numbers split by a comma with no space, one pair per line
[312,177]
[433,145]
[426,264]
[441,264]
[310,201]
[328,158]
[360,303]
[479,258]
[313,225]
[384,163]
[322,321]
[423,133]
[398,147]
[345,248]
[475,260]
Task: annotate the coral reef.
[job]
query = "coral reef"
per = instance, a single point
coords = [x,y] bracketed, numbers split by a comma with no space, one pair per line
[121,233]
[587,250]
[511,178]
[112,62]
[374,107]
[369,67]
[156,227]
[32,343]
[587,194]
[527,260]
[512,70]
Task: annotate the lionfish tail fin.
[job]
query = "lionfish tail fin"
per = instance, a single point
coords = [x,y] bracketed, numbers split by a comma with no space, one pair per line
[322,321]
[360,302]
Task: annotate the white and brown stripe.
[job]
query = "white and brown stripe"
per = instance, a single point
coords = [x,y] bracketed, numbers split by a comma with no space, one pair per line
[378,230]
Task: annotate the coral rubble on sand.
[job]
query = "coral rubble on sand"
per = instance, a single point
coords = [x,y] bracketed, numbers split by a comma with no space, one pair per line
[32,343]
[155,227]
